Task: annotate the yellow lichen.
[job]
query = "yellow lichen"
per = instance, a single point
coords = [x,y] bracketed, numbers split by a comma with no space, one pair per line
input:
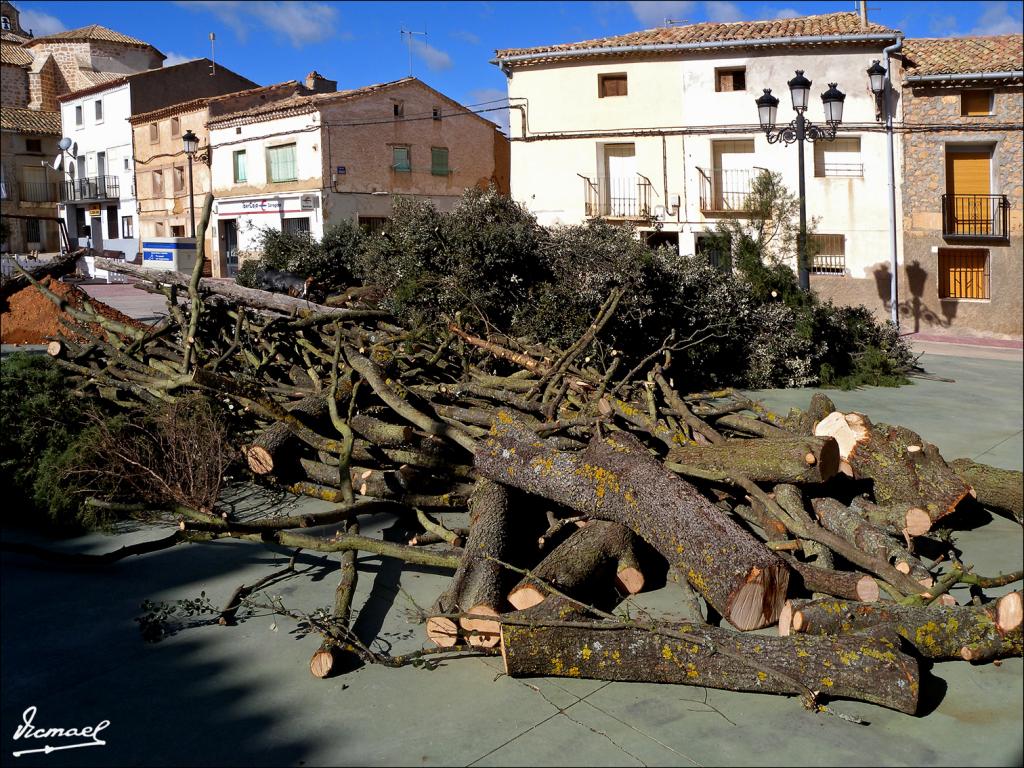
[585,653]
[666,652]
[827,682]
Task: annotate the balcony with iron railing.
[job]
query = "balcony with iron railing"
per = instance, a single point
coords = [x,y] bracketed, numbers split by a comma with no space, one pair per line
[617,197]
[39,192]
[975,217]
[91,188]
[724,191]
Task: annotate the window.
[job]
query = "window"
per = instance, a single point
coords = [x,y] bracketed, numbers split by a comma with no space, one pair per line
[439,161]
[33,235]
[177,230]
[400,159]
[154,133]
[839,157]
[33,145]
[127,227]
[611,85]
[158,183]
[398,108]
[98,106]
[975,103]
[717,249]
[373,225]
[963,273]
[296,226]
[436,113]
[239,165]
[828,254]
[730,79]
[179,179]
[175,127]
[5,23]
[79,118]
[281,163]
[127,165]
[112,222]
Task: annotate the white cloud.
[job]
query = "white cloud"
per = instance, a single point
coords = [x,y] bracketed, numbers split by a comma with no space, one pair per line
[176,58]
[41,23]
[490,98]
[942,25]
[435,59]
[466,36]
[997,20]
[787,13]
[301,23]
[653,13]
[721,11]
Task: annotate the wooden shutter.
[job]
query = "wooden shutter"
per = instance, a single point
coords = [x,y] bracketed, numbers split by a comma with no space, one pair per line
[974,103]
[612,85]
[969,173]
[963,273]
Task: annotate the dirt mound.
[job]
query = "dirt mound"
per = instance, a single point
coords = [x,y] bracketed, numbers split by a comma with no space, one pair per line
[29,317]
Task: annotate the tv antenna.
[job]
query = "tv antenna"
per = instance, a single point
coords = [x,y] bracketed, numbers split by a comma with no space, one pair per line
[407,35]
[213,61]
[674,22]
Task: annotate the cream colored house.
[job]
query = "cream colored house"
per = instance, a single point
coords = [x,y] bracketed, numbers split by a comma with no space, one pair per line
[660,128]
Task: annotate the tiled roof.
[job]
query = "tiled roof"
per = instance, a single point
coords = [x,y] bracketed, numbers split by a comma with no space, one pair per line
[301,103]
[93,32]
[99,78]
[10,37]
[174,109]
[30,121]
[963,55]
[830,24]
[14,54]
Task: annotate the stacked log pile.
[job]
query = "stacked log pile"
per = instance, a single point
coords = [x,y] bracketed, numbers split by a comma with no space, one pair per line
[580,482]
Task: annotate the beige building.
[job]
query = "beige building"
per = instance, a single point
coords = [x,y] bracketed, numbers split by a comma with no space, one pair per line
[309,155]
[29,187]
[963,171]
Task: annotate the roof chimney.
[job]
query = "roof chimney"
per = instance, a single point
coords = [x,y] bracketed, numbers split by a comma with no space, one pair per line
[317,83]
[863,14]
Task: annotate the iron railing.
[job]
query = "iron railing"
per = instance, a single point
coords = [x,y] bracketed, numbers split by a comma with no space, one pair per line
[39,192]
[975,217]
[91,188]
[725,190]
[617,197]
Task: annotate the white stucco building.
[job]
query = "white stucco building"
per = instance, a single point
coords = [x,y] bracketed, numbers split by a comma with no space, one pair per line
[660,128]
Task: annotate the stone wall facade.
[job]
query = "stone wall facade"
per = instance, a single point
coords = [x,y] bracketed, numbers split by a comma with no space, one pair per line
[924,183]
[13,86]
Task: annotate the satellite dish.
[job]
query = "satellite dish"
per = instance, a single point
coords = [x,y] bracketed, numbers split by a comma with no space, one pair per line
[74,148]
[71,170]
[64,143]
[57,161]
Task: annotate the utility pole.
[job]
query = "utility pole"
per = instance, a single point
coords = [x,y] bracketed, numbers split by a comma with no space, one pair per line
[407,35]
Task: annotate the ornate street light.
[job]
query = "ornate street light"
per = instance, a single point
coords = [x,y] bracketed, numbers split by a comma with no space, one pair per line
[876,77]
[190,143]
[797,131]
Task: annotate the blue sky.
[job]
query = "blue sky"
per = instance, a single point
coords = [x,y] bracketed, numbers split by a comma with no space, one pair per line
[358,43]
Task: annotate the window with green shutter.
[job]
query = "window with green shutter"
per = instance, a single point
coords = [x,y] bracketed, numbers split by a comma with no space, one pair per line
[400,159]
[281,163]
[240,176]
[439,161]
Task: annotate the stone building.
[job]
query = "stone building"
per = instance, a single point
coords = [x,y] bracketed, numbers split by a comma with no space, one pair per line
[34,73]
[963,207]
[301,157]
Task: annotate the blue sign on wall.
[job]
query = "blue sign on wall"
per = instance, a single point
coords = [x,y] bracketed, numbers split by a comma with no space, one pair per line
[157,256]
[341,170]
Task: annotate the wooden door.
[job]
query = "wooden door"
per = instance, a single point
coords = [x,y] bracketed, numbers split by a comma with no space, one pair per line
[969,205]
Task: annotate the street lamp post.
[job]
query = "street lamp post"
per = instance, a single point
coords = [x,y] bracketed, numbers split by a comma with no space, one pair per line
[191,142]
[881,86]
[799,130]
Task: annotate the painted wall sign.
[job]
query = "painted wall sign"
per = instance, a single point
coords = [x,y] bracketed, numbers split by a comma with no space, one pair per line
[341,170]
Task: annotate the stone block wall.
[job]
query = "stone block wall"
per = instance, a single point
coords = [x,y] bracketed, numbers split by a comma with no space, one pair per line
[13,86]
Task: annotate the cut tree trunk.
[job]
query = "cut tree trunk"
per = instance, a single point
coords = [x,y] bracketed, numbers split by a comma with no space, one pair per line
[845,522]
[266,452]
[974,633]
[903,519]
[867,667]
[617,479]
[480,583]
[583,565]
[848,585]
[904,468]
[784,459]
[1001,490]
